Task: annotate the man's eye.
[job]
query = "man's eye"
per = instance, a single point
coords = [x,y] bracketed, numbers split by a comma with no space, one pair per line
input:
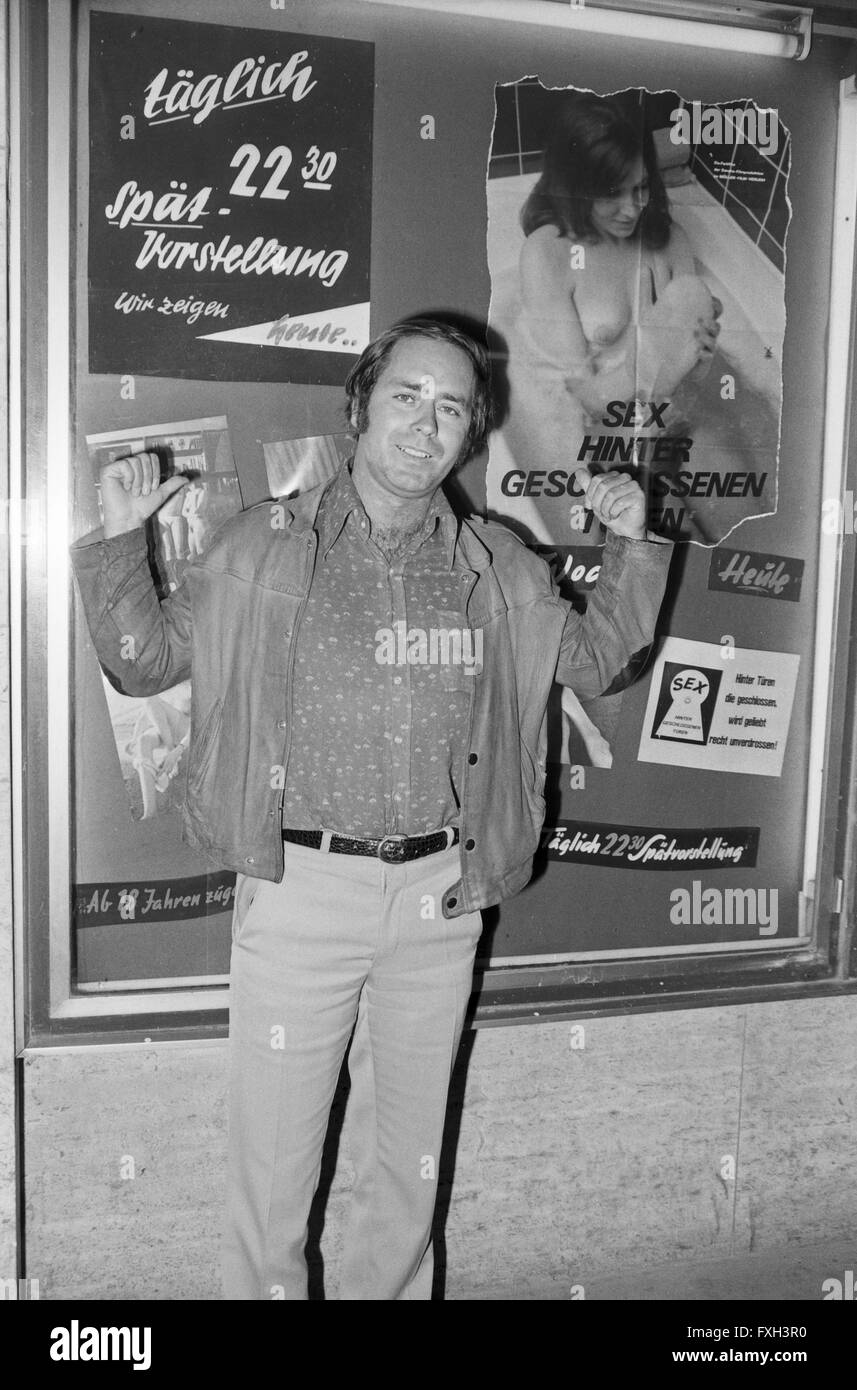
[405,396]
[451,409]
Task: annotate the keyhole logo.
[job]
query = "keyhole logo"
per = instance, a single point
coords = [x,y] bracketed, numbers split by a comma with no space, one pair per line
[686,704]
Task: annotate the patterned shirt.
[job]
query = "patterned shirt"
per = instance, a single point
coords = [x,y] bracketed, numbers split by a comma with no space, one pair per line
[381,705]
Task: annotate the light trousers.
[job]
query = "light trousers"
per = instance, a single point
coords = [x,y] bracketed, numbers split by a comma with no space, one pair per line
[342,943]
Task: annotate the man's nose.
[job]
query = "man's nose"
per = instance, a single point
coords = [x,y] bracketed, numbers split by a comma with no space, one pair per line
[427,417]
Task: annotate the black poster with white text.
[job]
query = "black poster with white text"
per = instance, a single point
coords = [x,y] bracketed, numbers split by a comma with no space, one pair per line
[230,201]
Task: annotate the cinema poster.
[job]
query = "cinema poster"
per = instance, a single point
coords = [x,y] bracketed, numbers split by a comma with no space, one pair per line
[296,465]
[636,244]
[636,247]
[229,201]
[722,708]
[152,734]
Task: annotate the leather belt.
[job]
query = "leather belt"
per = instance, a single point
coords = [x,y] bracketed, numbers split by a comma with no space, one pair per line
[393,849]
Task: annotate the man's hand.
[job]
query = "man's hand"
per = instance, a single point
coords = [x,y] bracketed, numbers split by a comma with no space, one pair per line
[131,490]
[617,501]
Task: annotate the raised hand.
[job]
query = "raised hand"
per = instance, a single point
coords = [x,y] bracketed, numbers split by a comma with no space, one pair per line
[131,490]
[618,502]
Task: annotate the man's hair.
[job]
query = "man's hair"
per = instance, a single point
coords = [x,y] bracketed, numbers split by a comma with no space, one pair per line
[363,377]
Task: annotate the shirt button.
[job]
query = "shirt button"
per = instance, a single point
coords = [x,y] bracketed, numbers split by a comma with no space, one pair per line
[250,860]
[282,723]
[451,902]
[473,758]
[469,844]
[397,680]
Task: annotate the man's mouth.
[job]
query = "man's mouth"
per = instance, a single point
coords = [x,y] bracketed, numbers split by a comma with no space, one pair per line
[412,453]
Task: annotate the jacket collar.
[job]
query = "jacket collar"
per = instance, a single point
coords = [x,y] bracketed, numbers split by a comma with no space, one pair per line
[302,516]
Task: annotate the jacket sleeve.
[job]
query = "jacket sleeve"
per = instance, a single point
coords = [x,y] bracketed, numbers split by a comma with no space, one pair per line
[142,642]
[604,649]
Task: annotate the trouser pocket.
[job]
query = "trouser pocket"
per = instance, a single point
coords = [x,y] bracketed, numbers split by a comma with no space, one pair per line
[246,889]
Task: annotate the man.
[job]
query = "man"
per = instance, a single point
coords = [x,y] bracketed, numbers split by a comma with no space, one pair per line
[370,676]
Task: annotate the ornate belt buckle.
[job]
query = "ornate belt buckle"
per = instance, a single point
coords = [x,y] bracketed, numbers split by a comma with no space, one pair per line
[392,849]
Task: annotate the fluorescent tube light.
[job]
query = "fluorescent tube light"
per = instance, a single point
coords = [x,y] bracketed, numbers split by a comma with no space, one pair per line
[781,32]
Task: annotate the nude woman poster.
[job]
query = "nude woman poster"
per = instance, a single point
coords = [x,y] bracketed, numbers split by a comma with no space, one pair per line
[636,244]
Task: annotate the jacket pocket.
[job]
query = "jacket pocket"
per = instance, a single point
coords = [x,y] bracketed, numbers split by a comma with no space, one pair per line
[202,746]
[534,780]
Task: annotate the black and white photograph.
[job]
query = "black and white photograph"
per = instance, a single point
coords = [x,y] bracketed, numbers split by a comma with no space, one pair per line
[427,673]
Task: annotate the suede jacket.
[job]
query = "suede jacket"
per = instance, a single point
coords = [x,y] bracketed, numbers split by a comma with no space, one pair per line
[231,628]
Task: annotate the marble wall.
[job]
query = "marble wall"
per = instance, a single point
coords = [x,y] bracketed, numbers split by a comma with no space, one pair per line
[640,1165]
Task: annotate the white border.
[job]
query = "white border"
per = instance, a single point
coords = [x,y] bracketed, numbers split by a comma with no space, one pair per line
[834,470]
[16,530]
[665,953]
[58,465]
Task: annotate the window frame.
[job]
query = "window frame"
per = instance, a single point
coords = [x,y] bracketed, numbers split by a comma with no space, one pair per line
[42,95]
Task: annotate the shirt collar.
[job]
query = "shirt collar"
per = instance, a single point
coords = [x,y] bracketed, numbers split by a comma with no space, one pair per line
[337,504]
[342,498]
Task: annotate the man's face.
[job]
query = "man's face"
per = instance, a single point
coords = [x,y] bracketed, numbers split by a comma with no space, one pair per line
[418,418]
